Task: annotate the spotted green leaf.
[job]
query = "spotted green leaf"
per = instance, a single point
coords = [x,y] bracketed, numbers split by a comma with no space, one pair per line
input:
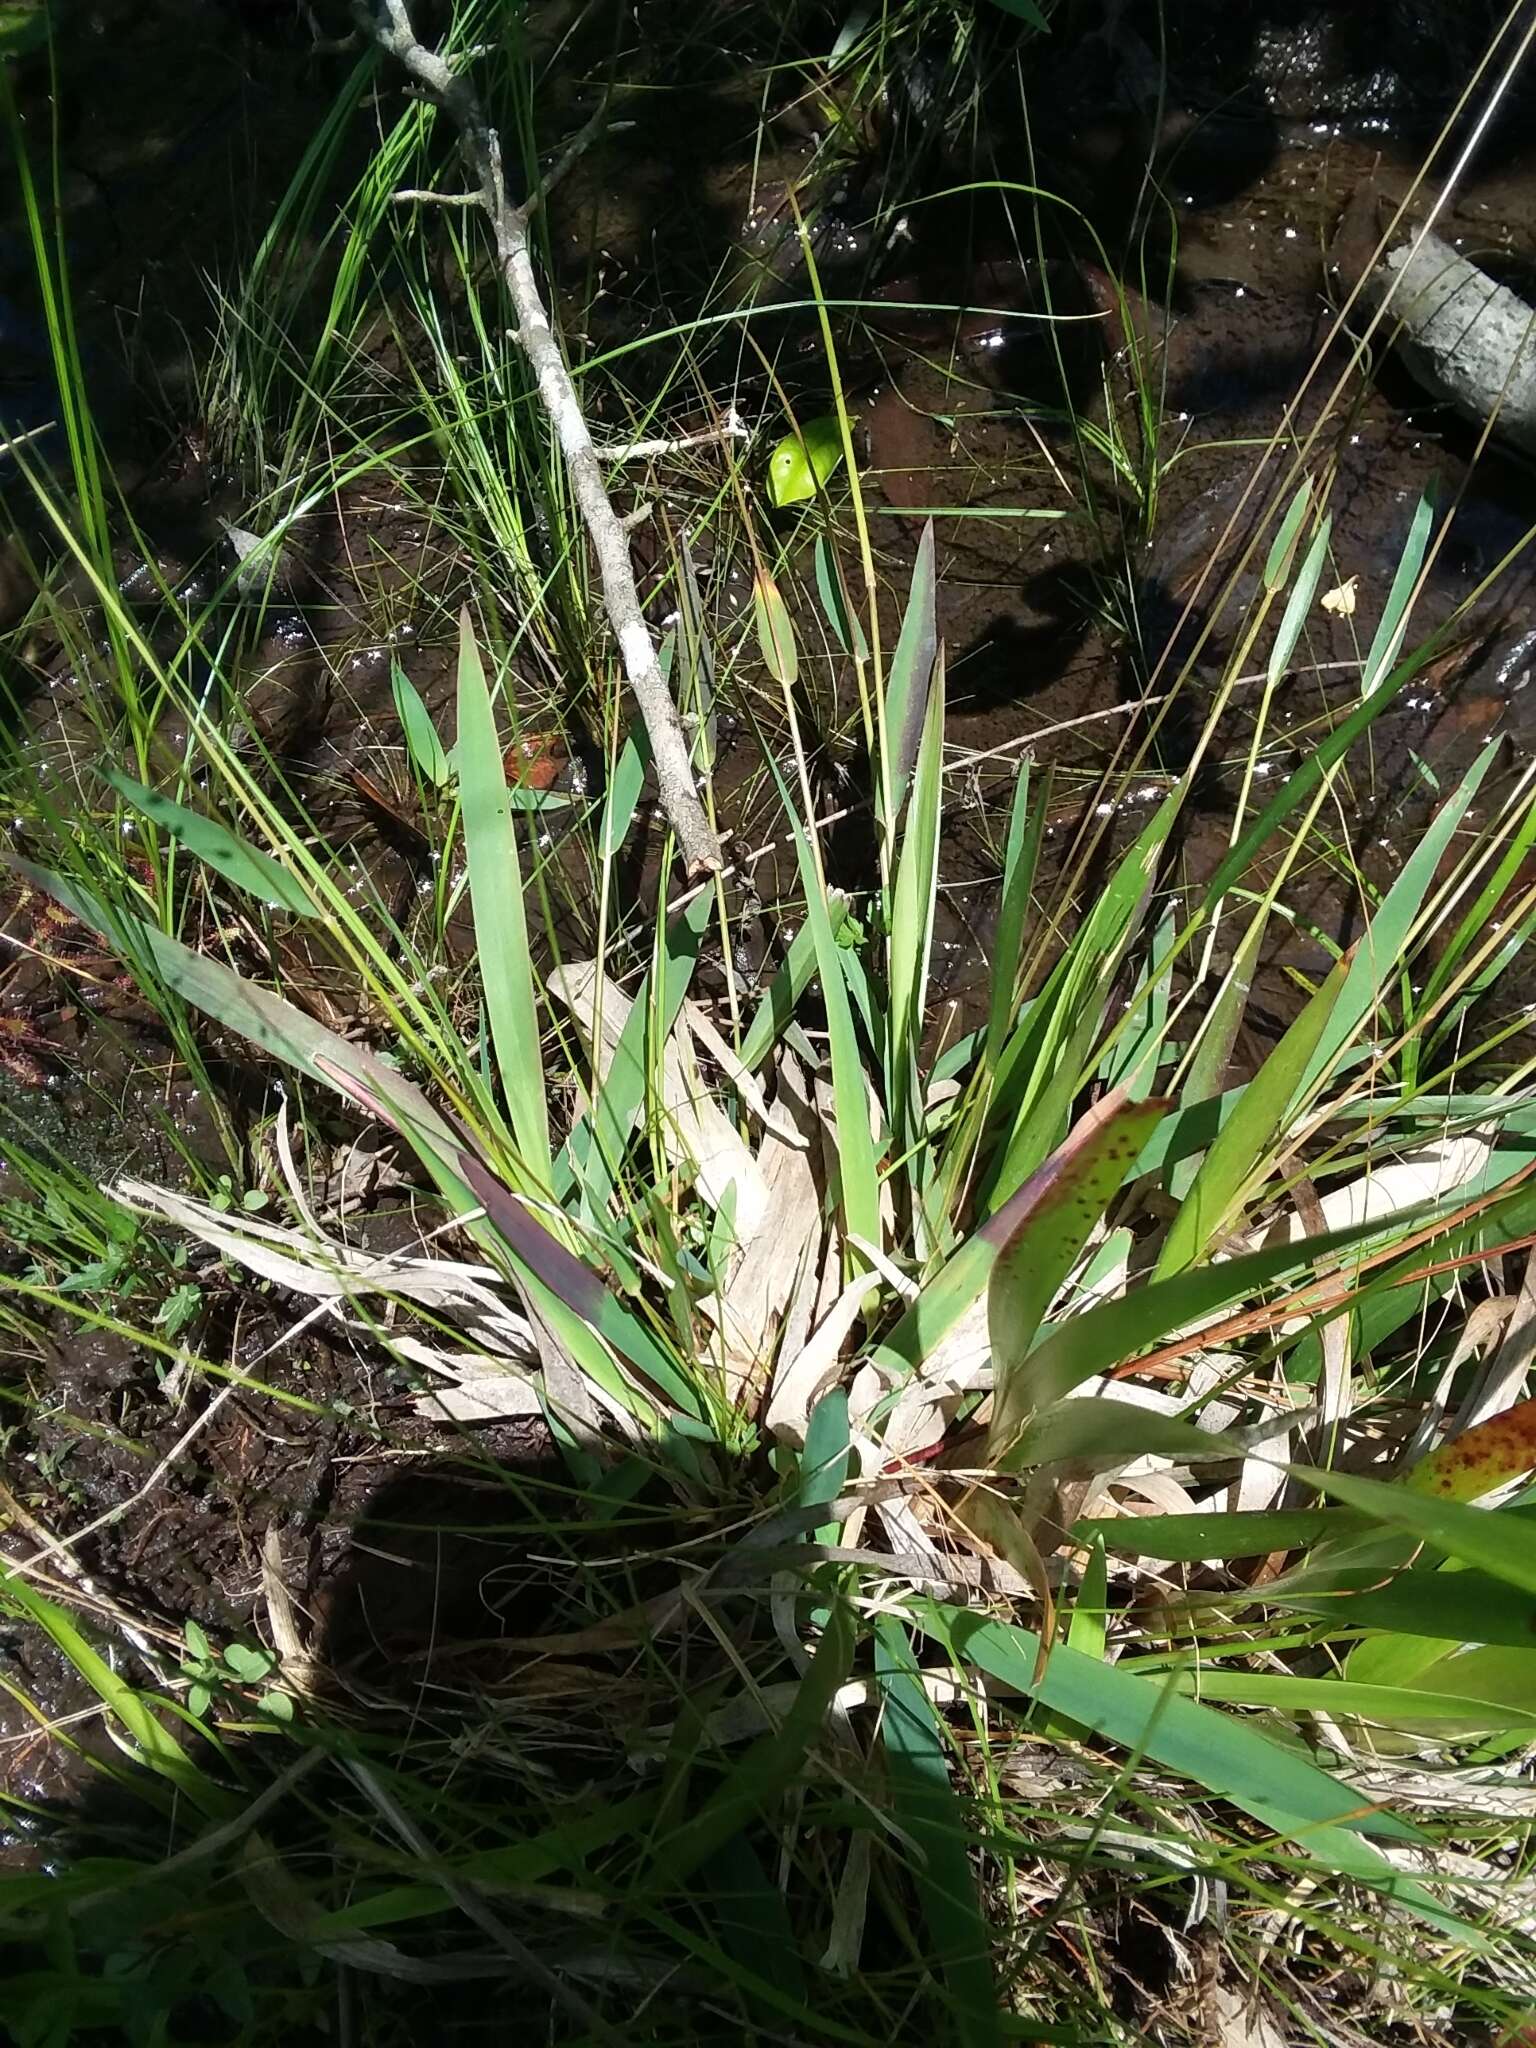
[803,461]
[1484,1457]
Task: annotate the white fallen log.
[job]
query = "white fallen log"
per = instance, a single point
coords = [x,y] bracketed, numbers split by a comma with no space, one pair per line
[1470,341]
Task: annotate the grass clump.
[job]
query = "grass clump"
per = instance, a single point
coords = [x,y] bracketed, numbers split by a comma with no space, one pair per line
[885,1514]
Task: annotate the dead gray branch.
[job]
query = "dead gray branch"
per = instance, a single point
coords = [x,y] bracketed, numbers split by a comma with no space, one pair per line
[388,22]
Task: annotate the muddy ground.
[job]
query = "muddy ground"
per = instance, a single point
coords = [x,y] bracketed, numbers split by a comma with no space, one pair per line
[1268,122]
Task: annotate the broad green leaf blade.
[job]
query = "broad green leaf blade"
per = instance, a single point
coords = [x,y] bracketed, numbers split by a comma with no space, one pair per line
[1492,1674]
[1027,11]
[858,1177]
[770,1768]
[910,945]
[256,1013]
[1434,1700]
[1277,564]
[421,740]
[1185,1539]
[750,1919]
[1132,1062]
[1380,954]
[1087,1632]
[1499,1543]
[824,1460]
[1480,1460]
[1088,1435]
[1278,1787]
[1394,617]
[621,798]
[803,461]
[1116,1332]
[1242,1146]
[1474,925]
[905,710]
[846,630]
[1040,1234]
[775,631]
[1112,1334]
[156,1745]
[928,1813]
[215,845]
[1298,604]
[1460,1606]
[572,1284]
[1218,1034]
[1088,1627]
[496,900]
[788,985]
[1021,857]
[1043,1064]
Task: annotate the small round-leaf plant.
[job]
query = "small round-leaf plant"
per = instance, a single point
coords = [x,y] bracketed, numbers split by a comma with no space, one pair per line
[214,1674]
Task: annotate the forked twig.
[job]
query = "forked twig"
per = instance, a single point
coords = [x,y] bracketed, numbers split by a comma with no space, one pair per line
[388,22]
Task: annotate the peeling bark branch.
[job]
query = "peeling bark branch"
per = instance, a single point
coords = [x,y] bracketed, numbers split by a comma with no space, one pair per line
[731,428]
[389,24]
[410,196]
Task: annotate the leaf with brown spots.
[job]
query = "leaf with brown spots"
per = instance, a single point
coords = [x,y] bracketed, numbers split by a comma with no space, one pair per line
[1040,1233]
[1486,1456]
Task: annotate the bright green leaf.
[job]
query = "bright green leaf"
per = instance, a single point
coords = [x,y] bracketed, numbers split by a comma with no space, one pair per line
[1241,1147]
[421,740]
[926,1810]
[215,845]
[1040,1233]
[803,461]
[496,899]
[775,631]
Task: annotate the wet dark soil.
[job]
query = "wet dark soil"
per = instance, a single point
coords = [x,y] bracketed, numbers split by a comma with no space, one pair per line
[1263,124]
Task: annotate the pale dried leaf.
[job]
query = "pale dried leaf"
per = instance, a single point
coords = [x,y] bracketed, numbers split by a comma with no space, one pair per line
[813,1293]
[799,1381]
[492,1397]
[774,1117]
[826,1108]
[697,1134]
[281,1619]
[1502,1380]
[911,1541]
[960,1364]
[1215,1415]
[321,1268]
[770,1266]
[845,1941]
[1162,1492]
[1341,599]
[1235,2020]
[1430,1173]
[1479,1334]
